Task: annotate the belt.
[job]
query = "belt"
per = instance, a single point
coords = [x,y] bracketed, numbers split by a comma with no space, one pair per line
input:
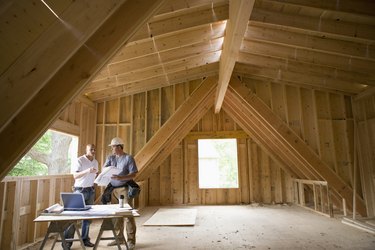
[83,188]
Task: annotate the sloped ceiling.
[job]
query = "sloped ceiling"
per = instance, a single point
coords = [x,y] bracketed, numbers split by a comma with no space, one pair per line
[322,44]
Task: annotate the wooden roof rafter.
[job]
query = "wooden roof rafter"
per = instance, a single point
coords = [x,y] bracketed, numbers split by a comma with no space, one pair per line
[69,80]
[245,108]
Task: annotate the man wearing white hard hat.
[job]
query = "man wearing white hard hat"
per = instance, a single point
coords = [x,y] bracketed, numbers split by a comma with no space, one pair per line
[126,163]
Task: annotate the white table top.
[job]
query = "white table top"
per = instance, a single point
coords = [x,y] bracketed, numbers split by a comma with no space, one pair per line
[96,212]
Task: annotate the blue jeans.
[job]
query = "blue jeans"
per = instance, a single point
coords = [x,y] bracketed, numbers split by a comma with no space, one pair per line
[89,195]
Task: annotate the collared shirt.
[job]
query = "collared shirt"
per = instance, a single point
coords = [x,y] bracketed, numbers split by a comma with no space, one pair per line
[124,162]
[81,164]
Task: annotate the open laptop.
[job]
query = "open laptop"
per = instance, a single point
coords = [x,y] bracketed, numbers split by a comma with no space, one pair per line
[74,202]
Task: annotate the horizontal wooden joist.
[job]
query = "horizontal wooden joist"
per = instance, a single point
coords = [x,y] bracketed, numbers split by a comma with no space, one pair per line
[309,39]
[289,64]
[321,58]
[304,158]
[183,19]
[298,78]
[320,20]
[164,141]
[182,38]
[365,7]
[155,82]
[194,135]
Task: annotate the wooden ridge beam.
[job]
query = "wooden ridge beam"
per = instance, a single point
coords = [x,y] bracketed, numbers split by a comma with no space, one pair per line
[304,157]
[161,145]
[67,83]
[239,14]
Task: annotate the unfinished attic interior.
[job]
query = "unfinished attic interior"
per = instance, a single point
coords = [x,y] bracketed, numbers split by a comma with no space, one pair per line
[291,80]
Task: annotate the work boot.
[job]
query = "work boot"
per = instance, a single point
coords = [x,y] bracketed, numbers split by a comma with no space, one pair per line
[131,246]
[113,243]
[87,243]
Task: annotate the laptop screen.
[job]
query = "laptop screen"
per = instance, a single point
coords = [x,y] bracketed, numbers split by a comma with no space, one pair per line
[73,200]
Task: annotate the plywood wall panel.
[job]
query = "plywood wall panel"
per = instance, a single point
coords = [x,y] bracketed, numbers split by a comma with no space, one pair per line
[309,125]
[153,113]
[112,112]
[243,175]
[138,122]
[125,109]
[177,176]
[293,103]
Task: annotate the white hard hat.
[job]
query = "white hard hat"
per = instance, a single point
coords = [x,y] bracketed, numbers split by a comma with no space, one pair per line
[116,141]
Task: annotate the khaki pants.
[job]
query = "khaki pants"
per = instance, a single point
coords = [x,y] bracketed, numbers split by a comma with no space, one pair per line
[131,227]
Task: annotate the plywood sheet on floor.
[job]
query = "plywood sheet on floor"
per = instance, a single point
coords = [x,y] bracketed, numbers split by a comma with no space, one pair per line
[173,217]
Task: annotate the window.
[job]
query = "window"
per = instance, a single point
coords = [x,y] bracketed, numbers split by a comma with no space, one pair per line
[218,165]
[52,154]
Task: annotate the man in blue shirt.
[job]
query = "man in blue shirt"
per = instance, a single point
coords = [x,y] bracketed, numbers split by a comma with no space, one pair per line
[126,163]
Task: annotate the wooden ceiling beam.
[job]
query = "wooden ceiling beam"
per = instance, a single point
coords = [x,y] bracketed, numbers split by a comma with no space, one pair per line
[319,20]
[292,65]
[365,7]
[309,39]
[26,76]
[300,78]
[164,141]
[306,55]
[251,108]
[156,82]
[187,18]
[239,14]
[67,82]
[156,71]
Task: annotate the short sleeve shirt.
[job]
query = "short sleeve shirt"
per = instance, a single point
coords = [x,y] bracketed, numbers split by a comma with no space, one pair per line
[82,163]
[124,162]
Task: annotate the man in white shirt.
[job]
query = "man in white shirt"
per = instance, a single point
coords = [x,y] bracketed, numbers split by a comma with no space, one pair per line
[84,171]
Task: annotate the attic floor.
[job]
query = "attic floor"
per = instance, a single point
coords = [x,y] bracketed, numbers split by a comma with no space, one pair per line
[246,227]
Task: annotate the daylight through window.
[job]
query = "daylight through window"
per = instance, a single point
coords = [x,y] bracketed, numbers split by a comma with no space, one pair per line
[218,164]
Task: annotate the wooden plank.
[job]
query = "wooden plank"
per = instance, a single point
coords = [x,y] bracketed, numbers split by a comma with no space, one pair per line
[311,40]
[239,14]
[293,145]
[174,130]
[308,56]
[177,176]
[192,177]
[243,170]
[165,182]
[298,78]
[294,107]
[49,102]
[153,113]
[139,122]
[202,68]
[33,69]
[265,178]
[65,127]
[325,20]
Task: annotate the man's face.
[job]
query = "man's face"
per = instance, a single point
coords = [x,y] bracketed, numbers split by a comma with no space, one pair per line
[90,150]
[116,149]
